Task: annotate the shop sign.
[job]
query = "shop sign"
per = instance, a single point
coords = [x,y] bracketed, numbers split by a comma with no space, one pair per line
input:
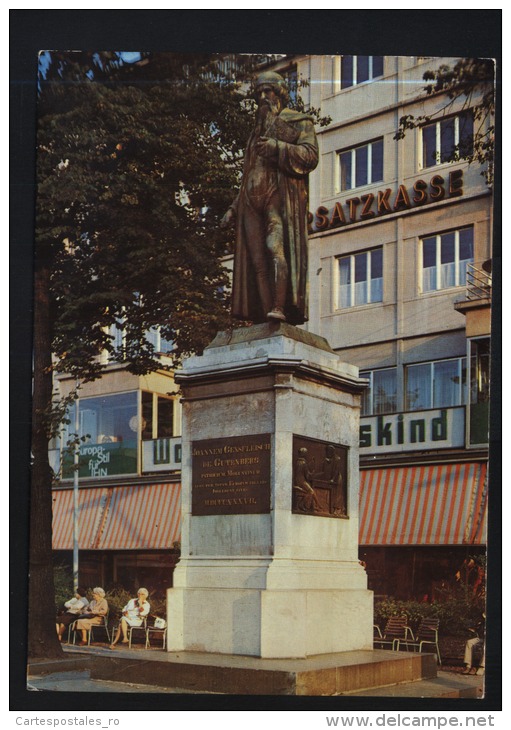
[103,460]
[413,431]
[383,202]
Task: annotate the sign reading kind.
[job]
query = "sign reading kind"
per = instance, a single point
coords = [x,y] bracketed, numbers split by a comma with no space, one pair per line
[435,429]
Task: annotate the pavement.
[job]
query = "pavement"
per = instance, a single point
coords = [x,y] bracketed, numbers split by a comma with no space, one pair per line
[81,681]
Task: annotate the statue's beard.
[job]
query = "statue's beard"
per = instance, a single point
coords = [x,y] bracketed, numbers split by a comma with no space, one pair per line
[266,112]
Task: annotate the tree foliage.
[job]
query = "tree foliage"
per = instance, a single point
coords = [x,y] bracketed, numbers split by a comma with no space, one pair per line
[132,181]
[471,80]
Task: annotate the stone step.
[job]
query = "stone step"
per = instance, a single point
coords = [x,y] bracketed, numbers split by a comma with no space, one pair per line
[323,675]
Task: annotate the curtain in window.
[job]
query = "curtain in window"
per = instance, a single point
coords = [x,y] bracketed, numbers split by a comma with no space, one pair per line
[446,384]
[447,259]
[344,282]
[466,253]
[361,278]
[384,391]
[418,387]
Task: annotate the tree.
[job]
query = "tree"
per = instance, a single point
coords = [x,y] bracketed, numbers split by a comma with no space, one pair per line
[473,81]
[136,164]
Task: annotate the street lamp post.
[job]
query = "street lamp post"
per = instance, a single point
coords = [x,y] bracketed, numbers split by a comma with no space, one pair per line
[75,494]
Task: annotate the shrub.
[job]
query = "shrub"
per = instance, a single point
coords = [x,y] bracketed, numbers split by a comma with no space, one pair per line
[456,615]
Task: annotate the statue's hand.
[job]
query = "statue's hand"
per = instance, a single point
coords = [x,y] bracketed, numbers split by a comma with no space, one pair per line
[228,218]
[266,147]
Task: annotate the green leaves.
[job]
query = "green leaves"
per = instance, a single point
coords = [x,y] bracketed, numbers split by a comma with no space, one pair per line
[471,80]
[132,180]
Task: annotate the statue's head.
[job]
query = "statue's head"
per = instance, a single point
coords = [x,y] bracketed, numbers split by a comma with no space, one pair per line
[273,80]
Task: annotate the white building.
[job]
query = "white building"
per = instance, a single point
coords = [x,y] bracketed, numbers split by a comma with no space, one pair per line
[400,285]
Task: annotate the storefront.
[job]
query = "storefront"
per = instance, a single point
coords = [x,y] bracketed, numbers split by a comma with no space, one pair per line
[128,535]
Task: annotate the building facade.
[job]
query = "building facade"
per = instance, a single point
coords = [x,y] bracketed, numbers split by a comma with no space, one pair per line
[400,285]
[400,245]
[128,480]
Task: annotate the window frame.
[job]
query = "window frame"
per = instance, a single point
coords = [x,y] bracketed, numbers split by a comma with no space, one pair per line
[459,281]
[462,386]
[371,77]
[370,390]
[438,138]
[352,256]
[353,152]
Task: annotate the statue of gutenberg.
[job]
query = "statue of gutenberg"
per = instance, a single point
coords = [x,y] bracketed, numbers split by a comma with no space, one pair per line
[270,211]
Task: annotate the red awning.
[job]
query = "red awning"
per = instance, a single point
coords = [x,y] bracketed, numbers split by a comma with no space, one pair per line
[119,518]
[441,504]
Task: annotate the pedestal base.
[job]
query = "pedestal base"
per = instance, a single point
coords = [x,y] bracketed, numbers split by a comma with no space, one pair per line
[262,573]
[271,624]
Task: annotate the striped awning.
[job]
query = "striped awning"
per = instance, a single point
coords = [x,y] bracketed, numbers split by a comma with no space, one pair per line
[146,517]
[441,504]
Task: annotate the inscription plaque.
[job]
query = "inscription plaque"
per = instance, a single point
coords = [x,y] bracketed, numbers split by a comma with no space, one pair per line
[231,475]
[320,471]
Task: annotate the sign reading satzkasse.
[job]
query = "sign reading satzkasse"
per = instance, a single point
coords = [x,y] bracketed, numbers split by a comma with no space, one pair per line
[231,475]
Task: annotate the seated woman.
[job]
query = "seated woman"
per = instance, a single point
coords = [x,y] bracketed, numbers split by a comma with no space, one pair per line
[93,615]
[74,607]
[133,614]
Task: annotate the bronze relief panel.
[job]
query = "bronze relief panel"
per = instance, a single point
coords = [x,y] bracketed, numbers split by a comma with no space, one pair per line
[320,478]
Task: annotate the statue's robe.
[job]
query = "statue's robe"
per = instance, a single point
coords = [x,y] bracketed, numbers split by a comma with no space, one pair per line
[295,161]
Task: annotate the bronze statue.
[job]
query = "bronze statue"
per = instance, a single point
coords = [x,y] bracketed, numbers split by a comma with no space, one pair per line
[270,211]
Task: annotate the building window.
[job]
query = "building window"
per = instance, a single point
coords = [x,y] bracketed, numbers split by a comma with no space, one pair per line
[361,165]
[109,430]
[381,395]
[444,259]
[439,384]
[479,390]
[357,69]
[157,416]
[160,344]
[361,278]
[447,138]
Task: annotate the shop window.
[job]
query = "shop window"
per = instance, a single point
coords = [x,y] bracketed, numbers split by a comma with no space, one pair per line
[157,416]
[439,384]
[381,395]
[361,278]
[447,139]
[361,165]
[108,427]
[357,69]
[479,390]
[444,259]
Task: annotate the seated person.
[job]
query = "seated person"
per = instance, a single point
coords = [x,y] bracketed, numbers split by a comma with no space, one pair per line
[476,642]
[93,615]
[133,614]
[74,608]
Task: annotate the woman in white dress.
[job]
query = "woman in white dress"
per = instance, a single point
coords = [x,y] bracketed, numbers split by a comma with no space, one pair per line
[133,614]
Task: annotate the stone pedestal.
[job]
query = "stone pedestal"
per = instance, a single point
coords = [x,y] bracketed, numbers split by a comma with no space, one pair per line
[266,570]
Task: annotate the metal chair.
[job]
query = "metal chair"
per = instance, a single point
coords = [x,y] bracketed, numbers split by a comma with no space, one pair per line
[396,630]
[90,634]
[427,633]
[377,635]
[154,631]
[131,629]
